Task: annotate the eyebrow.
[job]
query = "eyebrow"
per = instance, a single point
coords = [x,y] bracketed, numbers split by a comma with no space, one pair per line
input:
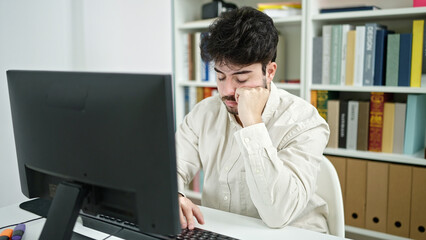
[235,73]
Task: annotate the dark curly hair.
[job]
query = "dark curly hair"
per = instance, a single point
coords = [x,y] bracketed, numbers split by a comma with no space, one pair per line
[242,37]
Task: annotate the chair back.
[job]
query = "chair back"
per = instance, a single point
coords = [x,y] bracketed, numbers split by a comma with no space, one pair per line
[328,188]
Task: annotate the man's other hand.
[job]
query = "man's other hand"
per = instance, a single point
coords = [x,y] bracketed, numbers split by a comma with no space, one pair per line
[187,212]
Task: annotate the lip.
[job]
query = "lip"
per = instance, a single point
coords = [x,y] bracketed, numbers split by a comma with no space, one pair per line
[230,103]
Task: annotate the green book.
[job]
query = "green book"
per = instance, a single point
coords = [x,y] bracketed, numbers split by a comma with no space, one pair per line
[392,60]
[336,54]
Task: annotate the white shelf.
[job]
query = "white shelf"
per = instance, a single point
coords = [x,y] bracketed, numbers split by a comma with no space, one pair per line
[416,159]
[373,14]
[197,84]
[369,89]
[288,86]
[204,24]
[372,234]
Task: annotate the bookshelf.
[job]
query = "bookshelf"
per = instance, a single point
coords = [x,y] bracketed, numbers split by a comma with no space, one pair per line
[298,33]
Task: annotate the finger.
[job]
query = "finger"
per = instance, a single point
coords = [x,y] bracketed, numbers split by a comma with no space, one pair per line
[189,217]
[198,215]
[182,219]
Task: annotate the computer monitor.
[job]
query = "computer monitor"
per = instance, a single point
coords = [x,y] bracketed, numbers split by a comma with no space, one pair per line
[100,142]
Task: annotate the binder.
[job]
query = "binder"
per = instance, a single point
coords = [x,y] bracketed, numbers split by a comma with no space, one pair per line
[356,176]
[399,200]
[339,164]
[377,196]
[418,206]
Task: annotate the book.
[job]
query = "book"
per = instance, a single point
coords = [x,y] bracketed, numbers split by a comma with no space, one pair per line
[314,96]
[404,70]
[377,104]
[333,107]
[335,54]
[388,127]
[380,58]
[190,56]
[419,3]
[423,78]
[359,55]
[197,57]
[280,60]
[343,123]
[370,52]
[352,126]
[187,108]
[416,58]
[316,60]
[322,98]
[350,58]
[363,125]
[326,51]
[392,60]
[200,94]
[349,9]
[399,128]
[415,123]
[345,29]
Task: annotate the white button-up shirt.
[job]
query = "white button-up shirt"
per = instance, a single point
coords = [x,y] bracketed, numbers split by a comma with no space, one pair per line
[267,170]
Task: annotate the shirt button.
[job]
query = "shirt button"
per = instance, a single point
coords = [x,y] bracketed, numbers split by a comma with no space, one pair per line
[225,198]
[246,140]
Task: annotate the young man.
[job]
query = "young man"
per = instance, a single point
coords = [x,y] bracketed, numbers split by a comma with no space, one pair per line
[259,146]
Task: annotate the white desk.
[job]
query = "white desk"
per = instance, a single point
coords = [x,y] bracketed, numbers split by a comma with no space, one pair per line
[218,221]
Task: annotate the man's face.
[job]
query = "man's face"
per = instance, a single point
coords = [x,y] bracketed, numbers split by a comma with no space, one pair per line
[232,77]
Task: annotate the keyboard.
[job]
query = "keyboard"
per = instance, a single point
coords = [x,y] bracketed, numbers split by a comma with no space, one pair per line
[131,230]
[198,233]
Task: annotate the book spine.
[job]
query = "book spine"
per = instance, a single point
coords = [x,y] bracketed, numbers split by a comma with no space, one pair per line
[333,123]
[377,104]
[345,29]
[343,123]
[388,127]
[415,124]
[186,100]
[352,127]
[350,58]
[370,52]
[336,55]
[197,57]
[380,58]
[392,60]
[317,60]
[423,83]
[404,70]
[359,55]
[314,98]
[190,56]
[416,63]
[363,125]
[322,98]
[399,128]
[326,51]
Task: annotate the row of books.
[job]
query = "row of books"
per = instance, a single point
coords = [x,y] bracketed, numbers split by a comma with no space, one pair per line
[369,55]
[193,95]
[280,9]
[198,70]
[377,125]
[383,197]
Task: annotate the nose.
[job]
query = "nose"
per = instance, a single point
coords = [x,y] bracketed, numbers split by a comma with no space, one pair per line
[228,87]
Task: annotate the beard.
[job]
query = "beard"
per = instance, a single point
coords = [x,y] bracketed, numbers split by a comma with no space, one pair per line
[234,110]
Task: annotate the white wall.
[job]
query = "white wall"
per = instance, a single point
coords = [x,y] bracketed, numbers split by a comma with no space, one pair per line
[101,35]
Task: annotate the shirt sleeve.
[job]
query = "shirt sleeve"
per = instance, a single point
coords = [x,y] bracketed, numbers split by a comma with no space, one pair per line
[282,179]
[187,155]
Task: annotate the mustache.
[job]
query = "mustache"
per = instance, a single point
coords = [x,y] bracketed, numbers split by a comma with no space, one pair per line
[230,98]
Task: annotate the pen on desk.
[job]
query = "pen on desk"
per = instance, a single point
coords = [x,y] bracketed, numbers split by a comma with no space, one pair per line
[6,234]
[18,232]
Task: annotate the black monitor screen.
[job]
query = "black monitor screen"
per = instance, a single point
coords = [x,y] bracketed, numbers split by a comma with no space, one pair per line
[109,135]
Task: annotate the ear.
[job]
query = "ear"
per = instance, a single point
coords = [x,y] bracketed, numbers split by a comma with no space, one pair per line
[271,69]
